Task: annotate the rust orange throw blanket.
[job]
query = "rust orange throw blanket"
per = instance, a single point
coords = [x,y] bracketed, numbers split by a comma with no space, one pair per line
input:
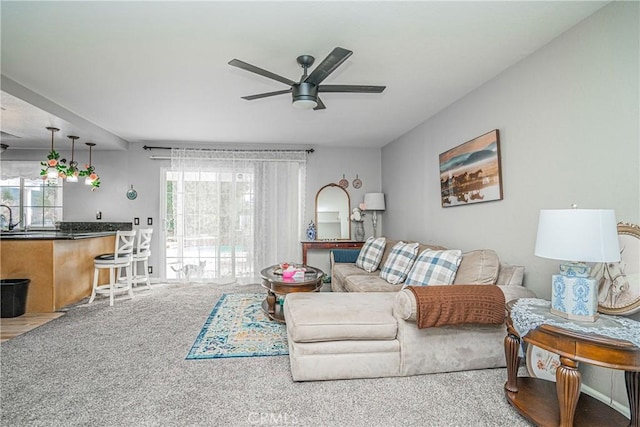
[457,304]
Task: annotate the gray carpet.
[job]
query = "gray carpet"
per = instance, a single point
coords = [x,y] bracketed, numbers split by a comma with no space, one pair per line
[125,366]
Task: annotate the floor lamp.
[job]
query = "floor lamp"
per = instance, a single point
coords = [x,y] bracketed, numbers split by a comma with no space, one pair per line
[374,202]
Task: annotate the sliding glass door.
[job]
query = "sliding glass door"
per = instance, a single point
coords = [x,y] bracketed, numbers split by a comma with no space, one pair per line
[210,225]
[230,213]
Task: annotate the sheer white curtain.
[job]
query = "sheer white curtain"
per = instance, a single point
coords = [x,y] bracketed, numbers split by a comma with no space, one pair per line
[232,213]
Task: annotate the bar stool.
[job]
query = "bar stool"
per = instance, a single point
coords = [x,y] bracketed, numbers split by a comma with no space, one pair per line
[141,255]
[120,258]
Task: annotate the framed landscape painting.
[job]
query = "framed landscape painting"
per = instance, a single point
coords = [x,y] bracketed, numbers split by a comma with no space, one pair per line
[470,173]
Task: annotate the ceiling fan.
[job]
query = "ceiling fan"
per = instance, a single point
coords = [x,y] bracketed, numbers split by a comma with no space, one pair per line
[305,92]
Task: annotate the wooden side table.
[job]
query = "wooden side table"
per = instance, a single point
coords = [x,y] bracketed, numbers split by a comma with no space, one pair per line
[328,244]
[562,404]
[277,285]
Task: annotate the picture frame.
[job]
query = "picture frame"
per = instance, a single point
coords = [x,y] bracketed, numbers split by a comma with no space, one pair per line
[471,172]
[619,282]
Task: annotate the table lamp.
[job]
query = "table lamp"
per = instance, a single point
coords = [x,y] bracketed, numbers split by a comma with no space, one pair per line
[577,236]
[374,202]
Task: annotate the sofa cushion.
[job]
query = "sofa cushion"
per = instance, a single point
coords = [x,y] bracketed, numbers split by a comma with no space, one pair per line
[510,275]
[342,271]
[326,316]
[434,268]
[371,254]
[400,261]
[369,283]
[478,267]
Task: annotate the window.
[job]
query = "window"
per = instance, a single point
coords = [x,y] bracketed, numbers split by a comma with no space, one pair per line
[33,203]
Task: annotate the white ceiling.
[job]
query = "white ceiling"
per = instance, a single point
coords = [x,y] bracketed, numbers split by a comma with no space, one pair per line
[157,72]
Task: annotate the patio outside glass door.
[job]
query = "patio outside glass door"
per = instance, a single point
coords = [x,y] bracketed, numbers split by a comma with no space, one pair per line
[209,225]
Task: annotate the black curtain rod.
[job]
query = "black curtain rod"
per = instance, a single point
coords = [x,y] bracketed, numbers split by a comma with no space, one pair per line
[149,147]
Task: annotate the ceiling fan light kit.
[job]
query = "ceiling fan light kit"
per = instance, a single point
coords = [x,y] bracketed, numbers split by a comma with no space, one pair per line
[304,96]
[305,92]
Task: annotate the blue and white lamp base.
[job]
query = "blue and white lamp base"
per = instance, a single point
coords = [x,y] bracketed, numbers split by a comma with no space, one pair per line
[574,294]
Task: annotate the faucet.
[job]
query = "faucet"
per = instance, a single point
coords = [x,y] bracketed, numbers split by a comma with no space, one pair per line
[9,225]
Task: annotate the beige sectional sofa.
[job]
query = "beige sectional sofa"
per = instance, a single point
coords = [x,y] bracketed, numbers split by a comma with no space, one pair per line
[370,330]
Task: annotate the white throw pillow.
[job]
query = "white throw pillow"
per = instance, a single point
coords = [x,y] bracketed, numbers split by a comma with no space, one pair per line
[371,254]
[434,268]
[399,262]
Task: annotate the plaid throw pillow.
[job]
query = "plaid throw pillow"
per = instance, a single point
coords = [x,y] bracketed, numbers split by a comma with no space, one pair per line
[434,268]
[399,262]
[371,254]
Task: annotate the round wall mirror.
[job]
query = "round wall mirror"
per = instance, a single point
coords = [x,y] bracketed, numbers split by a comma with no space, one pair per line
[332,213]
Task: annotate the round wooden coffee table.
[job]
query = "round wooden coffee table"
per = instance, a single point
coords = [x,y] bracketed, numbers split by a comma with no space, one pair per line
[276,285]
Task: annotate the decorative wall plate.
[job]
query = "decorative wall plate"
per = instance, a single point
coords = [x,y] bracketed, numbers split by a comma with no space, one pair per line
[357,183]
[542,363]
[619,282]
[132,194]
[343,182]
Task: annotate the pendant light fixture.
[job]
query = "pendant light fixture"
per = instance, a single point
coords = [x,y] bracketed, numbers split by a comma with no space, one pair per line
[72,169]
[53,166]
[92,177]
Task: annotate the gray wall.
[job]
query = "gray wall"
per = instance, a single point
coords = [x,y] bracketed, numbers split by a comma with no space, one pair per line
[119,170]
[569,118]
[327,165]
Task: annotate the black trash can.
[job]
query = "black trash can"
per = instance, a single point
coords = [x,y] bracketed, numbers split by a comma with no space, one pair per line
[13,297]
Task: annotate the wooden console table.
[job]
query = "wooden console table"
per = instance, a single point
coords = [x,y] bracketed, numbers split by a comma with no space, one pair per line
[328,244]
[562,404]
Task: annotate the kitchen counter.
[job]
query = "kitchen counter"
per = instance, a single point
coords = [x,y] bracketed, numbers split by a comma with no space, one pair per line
[59,264]
[52,235]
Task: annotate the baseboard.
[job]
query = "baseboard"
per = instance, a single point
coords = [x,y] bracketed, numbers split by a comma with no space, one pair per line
[622,408]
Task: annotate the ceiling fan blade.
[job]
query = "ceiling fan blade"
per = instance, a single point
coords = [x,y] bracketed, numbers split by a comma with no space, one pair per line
[264,95]
[260,71]
[351,88]
[320,105]
[328,66]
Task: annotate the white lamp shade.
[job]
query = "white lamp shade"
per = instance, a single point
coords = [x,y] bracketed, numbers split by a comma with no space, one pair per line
[374,201]
[581,235]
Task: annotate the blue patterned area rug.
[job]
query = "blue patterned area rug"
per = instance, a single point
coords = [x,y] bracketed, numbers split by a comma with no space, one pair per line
[238,327]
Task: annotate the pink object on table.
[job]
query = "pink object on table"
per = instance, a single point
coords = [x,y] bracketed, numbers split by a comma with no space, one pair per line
[287,274]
